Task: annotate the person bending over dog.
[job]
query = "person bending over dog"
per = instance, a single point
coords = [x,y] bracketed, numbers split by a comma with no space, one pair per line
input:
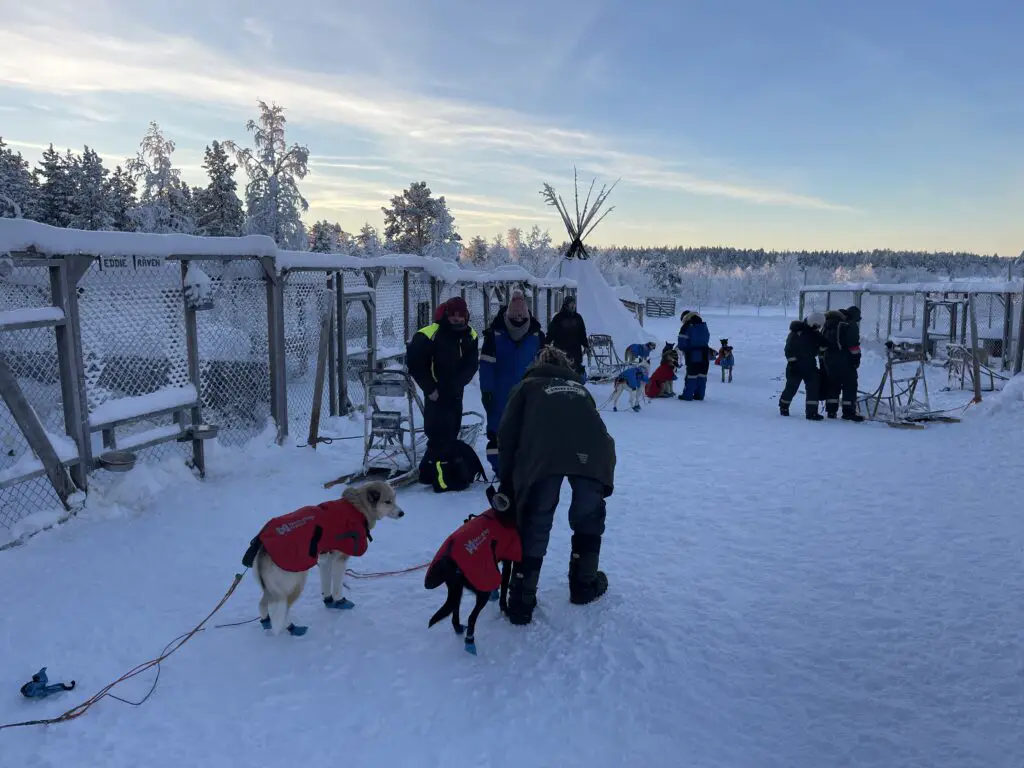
[552,430]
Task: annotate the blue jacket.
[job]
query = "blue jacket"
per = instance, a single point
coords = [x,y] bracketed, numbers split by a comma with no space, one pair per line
[503,363]
[694,340]
[635,376]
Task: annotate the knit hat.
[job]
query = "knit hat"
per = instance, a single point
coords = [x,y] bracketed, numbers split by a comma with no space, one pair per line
[853,313]
[518,310]
[456,306]
[815,319]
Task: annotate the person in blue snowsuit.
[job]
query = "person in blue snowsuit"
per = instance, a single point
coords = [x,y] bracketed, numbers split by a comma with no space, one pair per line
[510,345]
[696,353]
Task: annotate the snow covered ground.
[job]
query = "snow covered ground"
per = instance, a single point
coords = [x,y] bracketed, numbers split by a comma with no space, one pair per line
[783,593]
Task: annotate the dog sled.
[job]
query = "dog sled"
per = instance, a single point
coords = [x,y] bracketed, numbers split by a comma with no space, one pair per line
[393,438]
[603,361]
[901,400]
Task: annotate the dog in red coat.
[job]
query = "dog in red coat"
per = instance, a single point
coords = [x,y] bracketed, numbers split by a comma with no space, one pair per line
[469,558]
[325,535]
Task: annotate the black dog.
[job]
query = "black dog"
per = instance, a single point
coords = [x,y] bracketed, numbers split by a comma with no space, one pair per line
[468,559]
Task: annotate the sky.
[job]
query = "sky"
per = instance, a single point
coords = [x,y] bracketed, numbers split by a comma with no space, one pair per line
[795,124]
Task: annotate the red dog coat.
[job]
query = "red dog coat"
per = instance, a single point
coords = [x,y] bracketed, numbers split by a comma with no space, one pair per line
[294,541]
[477,546]
[663,373]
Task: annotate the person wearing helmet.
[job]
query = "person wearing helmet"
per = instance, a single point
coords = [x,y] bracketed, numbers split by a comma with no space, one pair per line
[803,345]
[842,359]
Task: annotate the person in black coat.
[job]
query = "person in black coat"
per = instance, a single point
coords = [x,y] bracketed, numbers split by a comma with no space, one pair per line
[568,332]
[803,345]
[842,359]
[442,359]
[550,431]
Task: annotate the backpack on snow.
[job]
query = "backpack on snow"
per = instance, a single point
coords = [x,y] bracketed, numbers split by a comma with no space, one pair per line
[458,469]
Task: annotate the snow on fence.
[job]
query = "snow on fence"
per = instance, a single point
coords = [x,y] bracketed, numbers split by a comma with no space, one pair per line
[135,341]
[896,311]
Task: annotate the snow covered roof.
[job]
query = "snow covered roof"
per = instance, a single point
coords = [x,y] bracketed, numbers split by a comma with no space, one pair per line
[945,286]
[446,271]
[22,235]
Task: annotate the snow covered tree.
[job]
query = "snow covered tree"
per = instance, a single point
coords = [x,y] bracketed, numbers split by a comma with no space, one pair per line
[218,208]
[92,207]
[121,196]
[368,242]
[55,181]
[165,201]
[665,277]
[536,254]
[514,242]
[497,251]
[17,187]
[274,205]
[325,237]
[417,222]
[475,252]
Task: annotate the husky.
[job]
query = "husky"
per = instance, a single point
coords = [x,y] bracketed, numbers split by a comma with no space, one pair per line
[633,379]
[325,535]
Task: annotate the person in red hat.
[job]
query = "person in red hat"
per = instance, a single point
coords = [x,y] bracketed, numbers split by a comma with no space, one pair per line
[442,359]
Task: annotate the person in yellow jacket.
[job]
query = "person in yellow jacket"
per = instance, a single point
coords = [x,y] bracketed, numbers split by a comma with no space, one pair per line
[442,359]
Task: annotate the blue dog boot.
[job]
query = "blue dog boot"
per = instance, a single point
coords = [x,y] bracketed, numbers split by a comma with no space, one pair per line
[341,605]
[470,645]
[296,631]
[265,622]
[494,596]
[636,408]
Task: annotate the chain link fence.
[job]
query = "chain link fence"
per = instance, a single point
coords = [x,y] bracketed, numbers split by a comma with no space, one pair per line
[142,349]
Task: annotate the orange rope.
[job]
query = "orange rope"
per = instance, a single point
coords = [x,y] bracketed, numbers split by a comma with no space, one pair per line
[378,574]
[82,708]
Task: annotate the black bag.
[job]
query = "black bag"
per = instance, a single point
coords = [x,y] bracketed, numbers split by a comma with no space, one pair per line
[456,470]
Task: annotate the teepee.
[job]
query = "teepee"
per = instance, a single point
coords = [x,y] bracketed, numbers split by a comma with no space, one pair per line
[595,299]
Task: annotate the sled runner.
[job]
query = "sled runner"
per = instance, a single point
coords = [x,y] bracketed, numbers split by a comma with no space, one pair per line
[603,361]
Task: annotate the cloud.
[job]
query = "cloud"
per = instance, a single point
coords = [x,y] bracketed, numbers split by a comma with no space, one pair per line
[259,30]
[409,127]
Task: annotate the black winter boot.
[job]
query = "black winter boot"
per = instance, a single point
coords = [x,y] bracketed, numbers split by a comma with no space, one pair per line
[851,415]
[784,410]
[522,591]
[586,582]
[811,413]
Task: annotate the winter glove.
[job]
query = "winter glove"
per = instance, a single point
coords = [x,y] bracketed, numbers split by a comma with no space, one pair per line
[433,396]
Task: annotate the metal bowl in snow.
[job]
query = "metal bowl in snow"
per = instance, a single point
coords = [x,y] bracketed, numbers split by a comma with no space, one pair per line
[199,432]
[116,461]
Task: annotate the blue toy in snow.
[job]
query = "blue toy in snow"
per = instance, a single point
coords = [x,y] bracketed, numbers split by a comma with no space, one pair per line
[39,687]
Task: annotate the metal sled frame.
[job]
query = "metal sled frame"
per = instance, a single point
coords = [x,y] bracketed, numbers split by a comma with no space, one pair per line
[603,361]
[392,443]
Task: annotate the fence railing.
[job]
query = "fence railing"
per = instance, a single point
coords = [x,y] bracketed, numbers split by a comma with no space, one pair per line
[660,306]
[116,347]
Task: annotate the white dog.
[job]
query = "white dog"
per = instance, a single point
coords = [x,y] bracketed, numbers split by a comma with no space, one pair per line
[633,379]
[325,535]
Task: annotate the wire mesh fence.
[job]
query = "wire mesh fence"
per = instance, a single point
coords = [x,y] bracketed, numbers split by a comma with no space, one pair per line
[130,351]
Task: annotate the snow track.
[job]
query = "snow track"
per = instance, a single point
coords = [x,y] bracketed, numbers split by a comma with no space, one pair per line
[782,593]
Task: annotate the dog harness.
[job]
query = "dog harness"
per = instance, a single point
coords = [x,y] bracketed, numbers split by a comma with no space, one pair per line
[477,547]
[294,541]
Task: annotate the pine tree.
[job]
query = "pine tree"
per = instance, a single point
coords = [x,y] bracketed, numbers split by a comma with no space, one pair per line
[17,186]
[325,237]
[165,200]
[417,222]
[56,189]
[121,196]
[93,208]
[475,252]
[273,203]
[368,242]
[218,207]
